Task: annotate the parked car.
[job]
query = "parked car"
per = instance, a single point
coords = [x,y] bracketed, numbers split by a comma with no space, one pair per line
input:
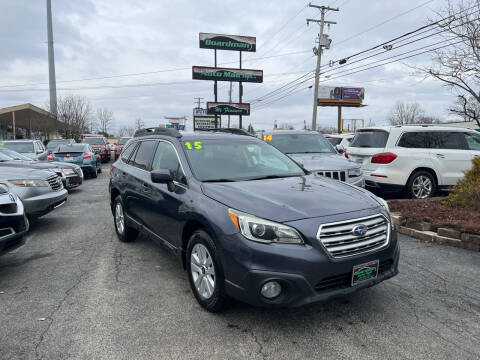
[81,155]
[13,222]
[71,174]
[316,154]
[119,146]
[34,149]
[247,222]
[41,191]
[340,141]
[53,144]
[420,159]
[100,146]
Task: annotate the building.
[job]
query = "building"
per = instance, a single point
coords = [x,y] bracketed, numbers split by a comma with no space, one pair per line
[28,121]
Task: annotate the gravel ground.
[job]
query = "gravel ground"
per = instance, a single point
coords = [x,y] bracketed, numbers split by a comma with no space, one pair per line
[75,292]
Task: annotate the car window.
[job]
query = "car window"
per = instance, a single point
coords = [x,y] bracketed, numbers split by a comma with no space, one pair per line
[144,154]
[122,141]
[370,139]
[21,147]
[446,140]
[300,143]
[334,141]
[127,151]
[222,159]
[166,158]
[94,141]
[473,141]
[413,140]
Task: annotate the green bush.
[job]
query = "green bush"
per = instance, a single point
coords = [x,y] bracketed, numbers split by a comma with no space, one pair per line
[466,192]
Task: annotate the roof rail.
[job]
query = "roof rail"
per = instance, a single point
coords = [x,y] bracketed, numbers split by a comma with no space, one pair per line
[234,131]
[158,131]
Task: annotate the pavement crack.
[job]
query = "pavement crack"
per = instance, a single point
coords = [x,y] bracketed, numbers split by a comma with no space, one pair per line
[118,257]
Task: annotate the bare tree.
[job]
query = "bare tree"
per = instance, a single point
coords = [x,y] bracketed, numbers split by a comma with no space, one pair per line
[406,113]
[327,129]
[139,124]
[75,113]
[429,120]
[126,131]
[105,120]
[467,108]
[457,65]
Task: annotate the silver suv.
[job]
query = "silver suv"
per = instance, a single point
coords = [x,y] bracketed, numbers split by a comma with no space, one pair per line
[316,154]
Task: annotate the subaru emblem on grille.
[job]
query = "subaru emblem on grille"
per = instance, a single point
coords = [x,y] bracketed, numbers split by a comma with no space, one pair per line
[359,230]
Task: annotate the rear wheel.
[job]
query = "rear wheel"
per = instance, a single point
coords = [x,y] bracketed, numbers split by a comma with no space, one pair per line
[94,173]
[421,185]
[100,169]
[205,272]
[124,232]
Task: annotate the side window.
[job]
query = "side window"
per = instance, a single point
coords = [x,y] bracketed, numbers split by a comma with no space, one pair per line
[127,151]
[144,154]
[473,141]
[413,140]
[447,140]
[166,158]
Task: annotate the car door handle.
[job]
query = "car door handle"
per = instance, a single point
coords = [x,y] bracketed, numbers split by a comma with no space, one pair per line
[441,156]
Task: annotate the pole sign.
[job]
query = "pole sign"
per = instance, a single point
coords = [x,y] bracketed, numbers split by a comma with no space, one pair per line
[225,108]
[227,74]
[353,93]
[227,42]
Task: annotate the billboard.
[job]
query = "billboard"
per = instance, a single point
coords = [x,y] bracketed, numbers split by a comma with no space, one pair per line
[224,108]
[226,74]
[337,94]
[353,93]
[227,42]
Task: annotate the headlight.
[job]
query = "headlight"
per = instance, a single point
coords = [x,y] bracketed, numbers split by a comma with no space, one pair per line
[29,183]
[265,231]
[354,172]
[384,204]
[68,172]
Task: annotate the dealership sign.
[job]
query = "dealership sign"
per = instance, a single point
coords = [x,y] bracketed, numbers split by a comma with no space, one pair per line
[228,42]
[226,74]
[224,108]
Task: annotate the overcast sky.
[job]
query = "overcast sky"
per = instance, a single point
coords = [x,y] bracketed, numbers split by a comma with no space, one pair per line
[119,37]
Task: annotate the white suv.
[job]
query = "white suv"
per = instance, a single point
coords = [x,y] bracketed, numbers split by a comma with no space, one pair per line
[418,158]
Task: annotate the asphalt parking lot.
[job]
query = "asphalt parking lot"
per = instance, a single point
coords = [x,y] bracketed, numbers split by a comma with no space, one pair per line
[75,292]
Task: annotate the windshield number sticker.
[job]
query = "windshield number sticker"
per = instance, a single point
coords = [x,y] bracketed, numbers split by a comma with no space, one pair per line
[267,137]
[197,145]
[2,143]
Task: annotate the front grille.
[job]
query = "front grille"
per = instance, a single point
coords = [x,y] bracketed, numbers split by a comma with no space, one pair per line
[340,241]
[55,182]
[8,208]
[345,280]
[337,175]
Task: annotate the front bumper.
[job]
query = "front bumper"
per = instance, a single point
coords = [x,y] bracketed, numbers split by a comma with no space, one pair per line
[41,204]
[13,227]
[307,274]
[71,182]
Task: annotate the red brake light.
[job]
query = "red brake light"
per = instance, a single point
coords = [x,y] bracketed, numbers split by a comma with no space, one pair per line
[87,156]
[345,153]
[111,168]
[383,158]
[50,157]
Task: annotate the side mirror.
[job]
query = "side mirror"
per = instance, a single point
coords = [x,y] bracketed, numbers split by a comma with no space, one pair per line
[163,176]
[340,148]
[42,157]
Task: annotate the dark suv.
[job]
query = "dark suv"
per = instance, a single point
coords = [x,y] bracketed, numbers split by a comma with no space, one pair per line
[247,222]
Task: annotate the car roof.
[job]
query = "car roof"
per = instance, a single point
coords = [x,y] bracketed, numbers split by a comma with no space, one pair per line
[199,135]
[280,132]
[22,140]
[416,127]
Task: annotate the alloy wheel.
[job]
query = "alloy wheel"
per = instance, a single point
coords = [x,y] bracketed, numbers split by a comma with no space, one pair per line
[203,271]
[119,218]
[422,187]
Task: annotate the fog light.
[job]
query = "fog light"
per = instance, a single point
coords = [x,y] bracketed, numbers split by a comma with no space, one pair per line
[271,289]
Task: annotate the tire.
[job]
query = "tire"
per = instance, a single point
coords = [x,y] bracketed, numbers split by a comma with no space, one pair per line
[421,185]
[204,266]
[127,234]
[100,169]
[94,173]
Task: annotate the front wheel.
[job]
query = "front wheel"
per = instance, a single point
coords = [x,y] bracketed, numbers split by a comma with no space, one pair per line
[205,272]
[421,185]
[124,232]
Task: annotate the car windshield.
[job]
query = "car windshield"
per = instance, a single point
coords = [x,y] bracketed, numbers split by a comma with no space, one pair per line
[301,143]
[93,141]
[334,141]
[14,155]
[71,148]
[4,157]
[122,141]
[21,147]
[54,143]
[370,139]
[227,160]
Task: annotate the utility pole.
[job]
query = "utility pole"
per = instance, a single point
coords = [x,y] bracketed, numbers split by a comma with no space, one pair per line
[51,61]
[323,41]
[198,101]
[230,101]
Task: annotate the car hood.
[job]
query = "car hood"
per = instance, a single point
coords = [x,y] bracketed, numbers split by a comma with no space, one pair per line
[9,173]
[292,198]
[37,165]
[319,161]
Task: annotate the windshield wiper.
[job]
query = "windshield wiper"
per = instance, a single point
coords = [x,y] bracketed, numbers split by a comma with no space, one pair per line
[218,180]
[305,152]
[270,177]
